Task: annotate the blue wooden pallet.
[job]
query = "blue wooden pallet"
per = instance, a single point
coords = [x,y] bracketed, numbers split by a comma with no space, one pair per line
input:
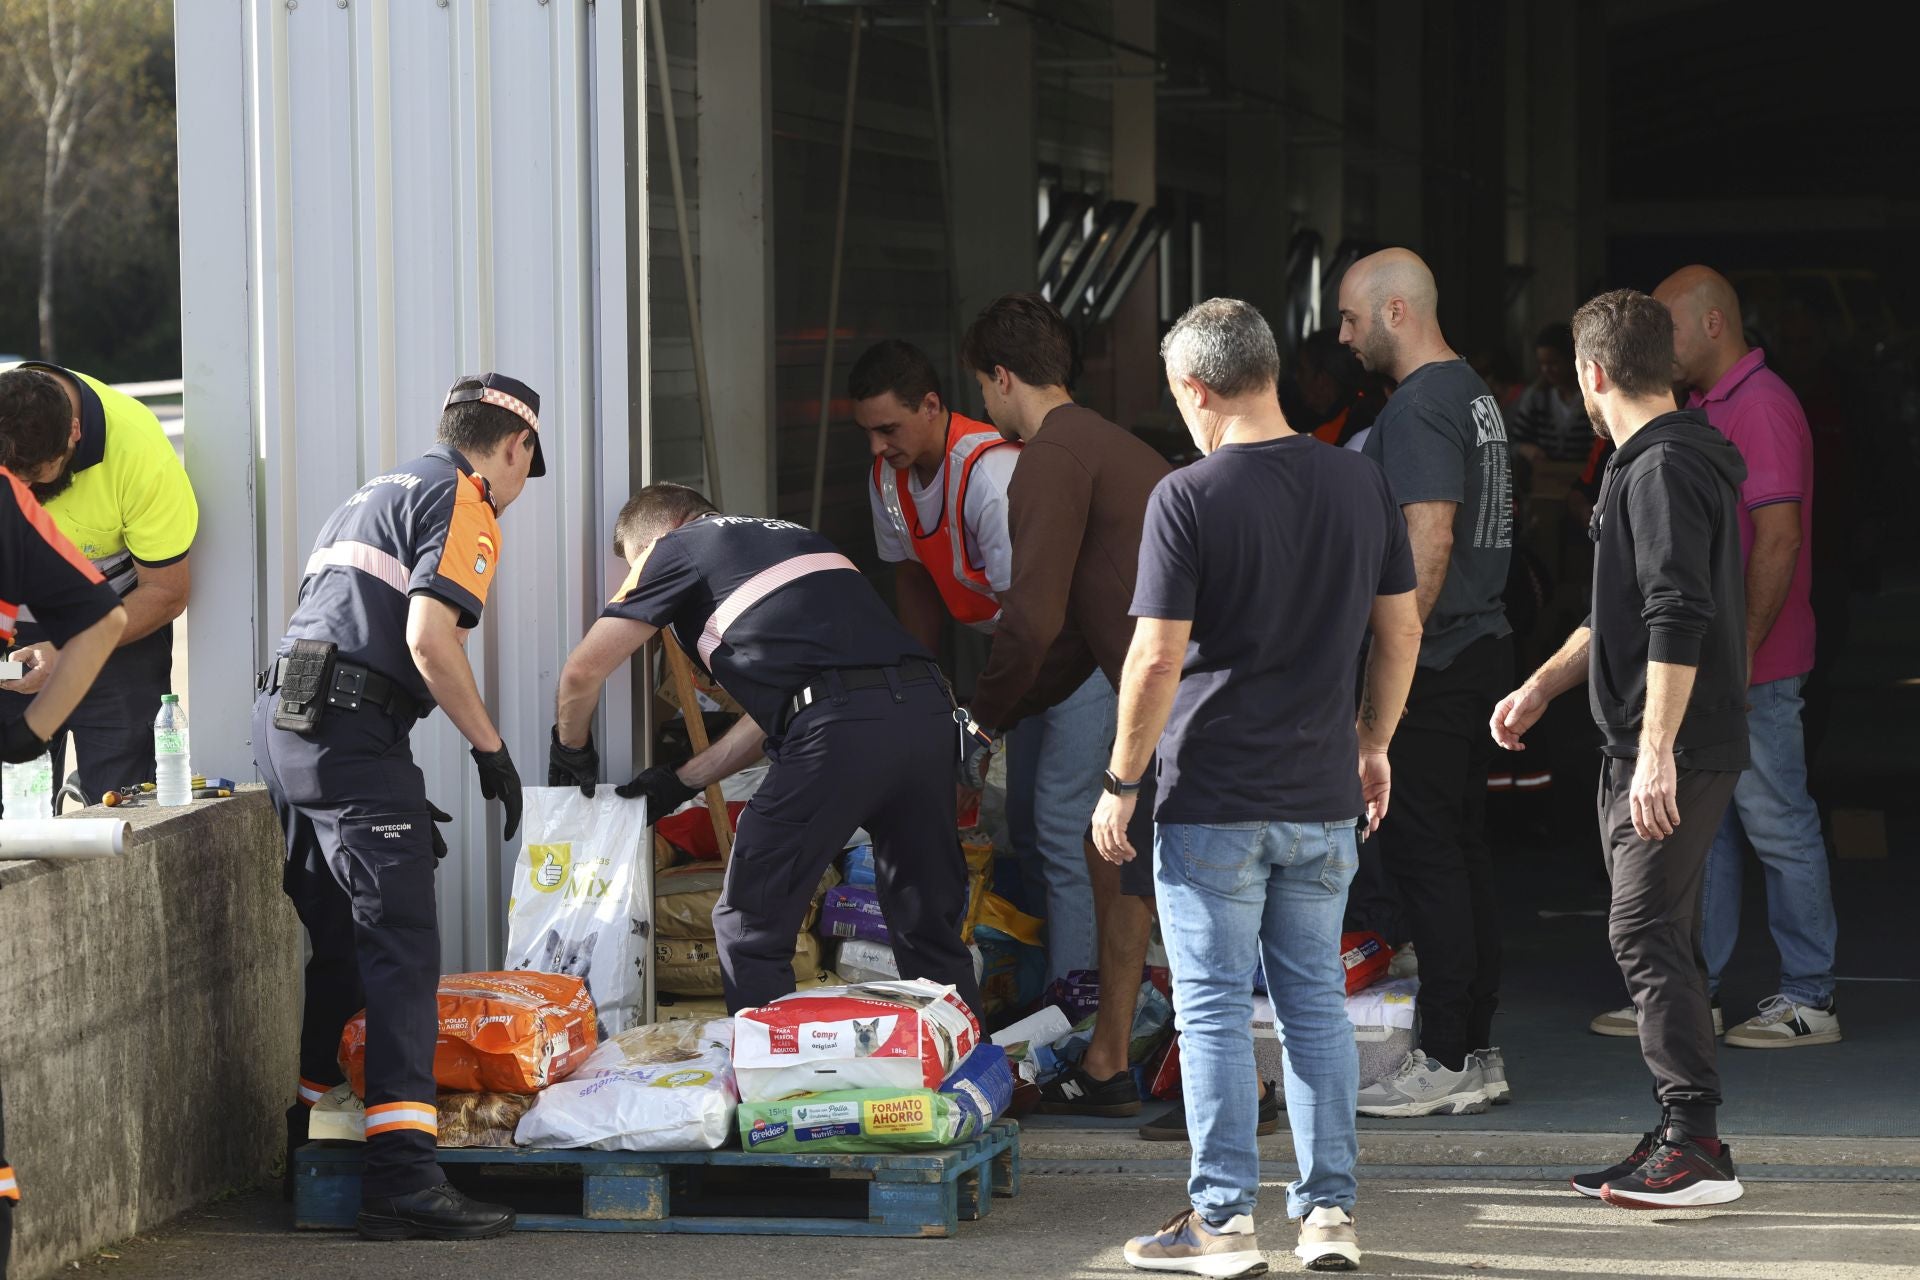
[713,1192]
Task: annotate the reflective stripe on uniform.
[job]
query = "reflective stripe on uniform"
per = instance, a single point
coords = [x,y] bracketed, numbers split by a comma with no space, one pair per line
[9,1189]
[365,557]
[311,1092]
[393,1117]
[759,587]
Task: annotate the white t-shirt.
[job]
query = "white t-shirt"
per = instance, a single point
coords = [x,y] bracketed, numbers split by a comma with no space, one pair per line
[986,515]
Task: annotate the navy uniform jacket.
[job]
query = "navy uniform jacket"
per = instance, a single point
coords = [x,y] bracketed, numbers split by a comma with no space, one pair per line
[766,606]
[426,527]
[40,569]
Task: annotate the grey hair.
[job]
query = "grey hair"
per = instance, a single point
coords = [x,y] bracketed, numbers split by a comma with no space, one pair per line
[1225,345]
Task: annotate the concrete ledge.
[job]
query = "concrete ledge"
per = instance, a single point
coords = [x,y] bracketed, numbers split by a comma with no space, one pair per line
[1457,1147]
[149,1013]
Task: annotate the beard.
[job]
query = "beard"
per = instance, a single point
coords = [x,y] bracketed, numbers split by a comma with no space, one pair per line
[51,489]
[1595,419]
[1379,351]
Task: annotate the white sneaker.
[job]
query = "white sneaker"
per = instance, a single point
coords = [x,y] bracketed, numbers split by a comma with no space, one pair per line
[1493,1065]
[1422,1087]
[1626,1022]
[1405,963]
[1327,1241]
[1784,1023]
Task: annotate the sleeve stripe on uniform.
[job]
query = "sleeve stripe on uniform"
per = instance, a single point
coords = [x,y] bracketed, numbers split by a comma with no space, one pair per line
[43,525]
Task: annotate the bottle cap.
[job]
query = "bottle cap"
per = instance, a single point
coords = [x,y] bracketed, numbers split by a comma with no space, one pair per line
[169,697]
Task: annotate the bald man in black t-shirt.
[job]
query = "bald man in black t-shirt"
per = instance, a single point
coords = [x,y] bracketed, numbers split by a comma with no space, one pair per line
[851,709]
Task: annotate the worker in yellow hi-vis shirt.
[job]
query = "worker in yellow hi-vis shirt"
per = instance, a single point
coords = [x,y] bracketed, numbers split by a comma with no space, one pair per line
[103,468]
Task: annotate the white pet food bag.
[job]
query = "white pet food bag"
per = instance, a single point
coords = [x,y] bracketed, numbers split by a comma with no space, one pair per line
[872,1035]
[664,1087]
[1383,1018]
[582,898]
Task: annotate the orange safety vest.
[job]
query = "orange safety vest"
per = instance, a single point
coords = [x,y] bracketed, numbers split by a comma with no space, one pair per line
[957,570]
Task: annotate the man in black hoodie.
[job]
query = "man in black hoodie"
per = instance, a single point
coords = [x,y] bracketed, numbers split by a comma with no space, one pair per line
[1664,657]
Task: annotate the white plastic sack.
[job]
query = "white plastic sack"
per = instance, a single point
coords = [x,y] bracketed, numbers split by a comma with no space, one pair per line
[666,1087]
[582,898]
[863,960]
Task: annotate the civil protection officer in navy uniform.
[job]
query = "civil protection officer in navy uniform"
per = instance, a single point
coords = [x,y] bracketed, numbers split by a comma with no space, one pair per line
[76,609]
[850,708]
[397,577]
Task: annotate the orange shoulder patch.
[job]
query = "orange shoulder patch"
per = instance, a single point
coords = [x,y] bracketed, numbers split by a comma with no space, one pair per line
[471,554]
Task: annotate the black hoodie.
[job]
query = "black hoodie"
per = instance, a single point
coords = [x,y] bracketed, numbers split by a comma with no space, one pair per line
[1668,586]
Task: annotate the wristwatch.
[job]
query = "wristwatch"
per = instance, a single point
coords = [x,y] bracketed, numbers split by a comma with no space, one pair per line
[1114,787]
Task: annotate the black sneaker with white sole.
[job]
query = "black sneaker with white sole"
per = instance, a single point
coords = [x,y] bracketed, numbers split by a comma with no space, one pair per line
[1679,1174]
[1172,1127]
[1590,1184]
[1078,1094]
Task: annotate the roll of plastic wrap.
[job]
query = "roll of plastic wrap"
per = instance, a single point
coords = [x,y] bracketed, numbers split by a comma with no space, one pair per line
[62,838]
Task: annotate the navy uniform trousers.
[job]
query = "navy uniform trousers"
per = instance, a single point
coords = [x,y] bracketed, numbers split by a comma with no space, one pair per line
[879,758]
[360,871]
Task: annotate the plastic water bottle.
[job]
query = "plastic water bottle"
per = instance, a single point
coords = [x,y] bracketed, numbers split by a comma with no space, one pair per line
[26,790]
[173,777]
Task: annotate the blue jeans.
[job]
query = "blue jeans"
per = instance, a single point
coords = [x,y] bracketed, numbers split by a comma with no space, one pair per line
[1054,764]
[1232,898]
[1772,810]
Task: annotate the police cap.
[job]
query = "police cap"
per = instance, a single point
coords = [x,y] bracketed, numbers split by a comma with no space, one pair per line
[511,394]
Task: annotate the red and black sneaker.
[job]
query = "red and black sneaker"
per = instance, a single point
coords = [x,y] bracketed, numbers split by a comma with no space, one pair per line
[1590,1184]
[1679,1174]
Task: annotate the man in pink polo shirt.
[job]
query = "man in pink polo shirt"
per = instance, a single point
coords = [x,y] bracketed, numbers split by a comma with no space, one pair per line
[1771,809]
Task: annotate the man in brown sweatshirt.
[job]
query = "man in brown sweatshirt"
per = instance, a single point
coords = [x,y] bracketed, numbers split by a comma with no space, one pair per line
[1076,505]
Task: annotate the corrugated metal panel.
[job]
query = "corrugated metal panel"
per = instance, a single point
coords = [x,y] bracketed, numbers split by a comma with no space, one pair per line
[430,190]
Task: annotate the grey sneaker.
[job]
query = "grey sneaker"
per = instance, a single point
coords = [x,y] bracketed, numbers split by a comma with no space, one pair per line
[1626,1022]
[1327,1241]
[1191,1245]
[1422,1087]
[1785,1023]
[1493,1065]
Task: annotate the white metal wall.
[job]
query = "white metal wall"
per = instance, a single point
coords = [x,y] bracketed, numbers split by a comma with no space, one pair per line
[379,195]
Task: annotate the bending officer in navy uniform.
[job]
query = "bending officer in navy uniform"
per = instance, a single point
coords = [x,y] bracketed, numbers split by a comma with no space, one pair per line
[76,609]
[849,707]
[398,576]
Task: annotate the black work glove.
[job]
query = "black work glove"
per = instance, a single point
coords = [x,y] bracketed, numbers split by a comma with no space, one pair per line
[19,743]
[663,790]
[572,766]
[439,841]
[499,780]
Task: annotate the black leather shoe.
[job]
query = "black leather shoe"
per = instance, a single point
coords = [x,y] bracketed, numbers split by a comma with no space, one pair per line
[438,1213]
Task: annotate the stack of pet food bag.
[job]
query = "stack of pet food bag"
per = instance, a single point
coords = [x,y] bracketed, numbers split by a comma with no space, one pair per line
[1008,946]
[872,1066]
[519,1062]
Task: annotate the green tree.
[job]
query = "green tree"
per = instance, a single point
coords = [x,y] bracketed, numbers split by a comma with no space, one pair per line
[95,77]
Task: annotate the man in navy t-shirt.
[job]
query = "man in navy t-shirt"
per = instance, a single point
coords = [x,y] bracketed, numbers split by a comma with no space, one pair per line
[1262,568]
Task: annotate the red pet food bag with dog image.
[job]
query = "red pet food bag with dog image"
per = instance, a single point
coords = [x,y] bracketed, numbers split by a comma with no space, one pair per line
[873,1035]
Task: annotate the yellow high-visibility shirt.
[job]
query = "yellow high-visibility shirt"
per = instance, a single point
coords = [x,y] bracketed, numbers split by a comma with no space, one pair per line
[130,502]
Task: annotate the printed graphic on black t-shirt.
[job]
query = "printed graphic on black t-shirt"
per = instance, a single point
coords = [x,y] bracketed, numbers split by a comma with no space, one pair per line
[1441,439]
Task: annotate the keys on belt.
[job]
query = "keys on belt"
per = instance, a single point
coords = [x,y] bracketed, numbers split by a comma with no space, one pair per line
[851,678]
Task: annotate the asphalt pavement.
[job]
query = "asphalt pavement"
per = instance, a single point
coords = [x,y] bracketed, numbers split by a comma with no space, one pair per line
[1074,1225]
